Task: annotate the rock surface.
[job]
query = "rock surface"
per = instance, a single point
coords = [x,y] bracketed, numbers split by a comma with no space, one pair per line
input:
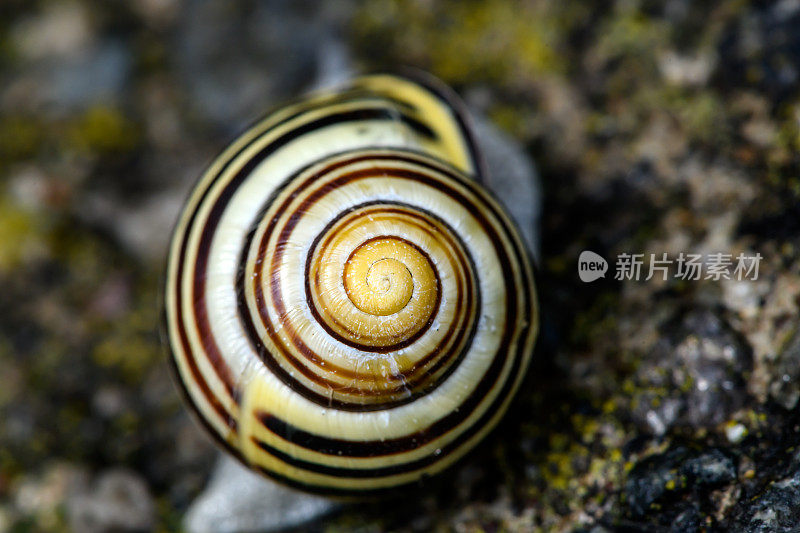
[119,501]
[704,384]
[670,476]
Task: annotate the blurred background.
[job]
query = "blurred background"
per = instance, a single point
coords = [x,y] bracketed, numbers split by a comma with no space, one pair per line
[656,126]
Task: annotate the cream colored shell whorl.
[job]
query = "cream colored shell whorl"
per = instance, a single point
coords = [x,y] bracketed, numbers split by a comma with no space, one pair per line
[348,310]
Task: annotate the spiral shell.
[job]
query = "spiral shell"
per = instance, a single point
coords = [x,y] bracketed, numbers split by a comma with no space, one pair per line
[348,310]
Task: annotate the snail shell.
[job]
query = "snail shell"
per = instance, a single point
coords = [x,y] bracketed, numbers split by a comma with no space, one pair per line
[348,310]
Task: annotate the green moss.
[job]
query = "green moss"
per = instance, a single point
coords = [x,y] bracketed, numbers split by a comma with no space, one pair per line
[595,321]
[787,143]
[19,234]
[459,41]
[130,345]
[511,118]
[629,40]
[700,113]
[703,117]
[629,32]
[103,129]
[20,137]
[170,518]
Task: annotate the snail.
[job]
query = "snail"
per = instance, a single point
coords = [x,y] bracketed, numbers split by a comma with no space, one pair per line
[348,310]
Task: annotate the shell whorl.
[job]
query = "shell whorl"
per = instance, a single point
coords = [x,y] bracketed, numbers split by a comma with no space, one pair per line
[348,310]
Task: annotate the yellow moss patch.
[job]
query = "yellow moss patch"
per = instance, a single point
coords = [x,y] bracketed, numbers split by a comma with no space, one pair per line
[130,351]
[103,129]
[461,40]
[19,137]
[18,235]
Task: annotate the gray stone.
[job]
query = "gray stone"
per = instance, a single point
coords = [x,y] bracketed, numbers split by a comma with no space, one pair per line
[785,385]
[237,499]
[99,75]
[673,473]
[776,508]
[281,47]
[118,501]
[95,74]
[512,177]
[701,364]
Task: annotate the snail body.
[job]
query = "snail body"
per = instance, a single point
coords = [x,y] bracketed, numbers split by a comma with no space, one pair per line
[348,310]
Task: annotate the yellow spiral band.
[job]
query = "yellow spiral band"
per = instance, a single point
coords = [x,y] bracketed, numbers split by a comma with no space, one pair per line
[379,281]
[358,262]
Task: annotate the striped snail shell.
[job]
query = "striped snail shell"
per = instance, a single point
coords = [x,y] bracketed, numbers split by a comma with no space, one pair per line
[348,310]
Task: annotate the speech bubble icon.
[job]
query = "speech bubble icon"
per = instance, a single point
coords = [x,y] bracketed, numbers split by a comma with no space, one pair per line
[591,266]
